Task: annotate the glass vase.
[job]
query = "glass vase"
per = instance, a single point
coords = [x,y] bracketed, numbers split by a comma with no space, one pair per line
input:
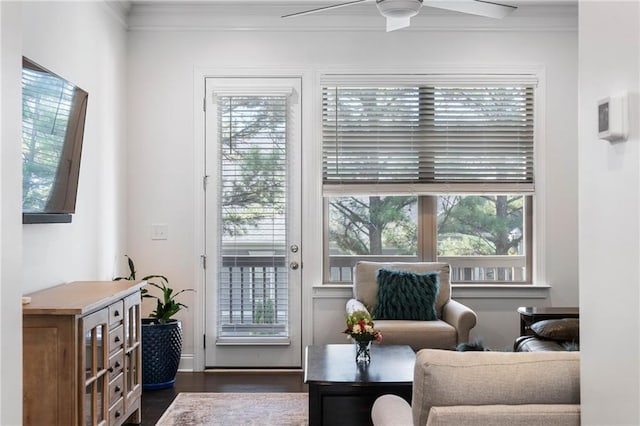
[363,351]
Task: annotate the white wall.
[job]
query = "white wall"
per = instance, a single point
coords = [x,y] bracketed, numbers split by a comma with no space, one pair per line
[84,43]
[609,218]
[10,217]
[165,146]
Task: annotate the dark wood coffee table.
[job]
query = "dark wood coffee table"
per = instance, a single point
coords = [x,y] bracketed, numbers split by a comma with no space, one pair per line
[342,392]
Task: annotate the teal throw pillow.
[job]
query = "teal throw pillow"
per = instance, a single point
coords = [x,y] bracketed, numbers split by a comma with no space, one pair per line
[406,295]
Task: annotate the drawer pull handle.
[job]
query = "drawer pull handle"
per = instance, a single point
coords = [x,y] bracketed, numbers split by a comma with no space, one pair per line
[118,414]
[117,364]
[110,369]
[117,389]
[117,339]
[116,313]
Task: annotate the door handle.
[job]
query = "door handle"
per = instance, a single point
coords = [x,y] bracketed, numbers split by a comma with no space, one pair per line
[294,265]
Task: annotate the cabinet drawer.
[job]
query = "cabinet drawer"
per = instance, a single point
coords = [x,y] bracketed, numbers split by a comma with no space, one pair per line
[116,361]
[116,313]
[116,413]
[116,339]
[116,389]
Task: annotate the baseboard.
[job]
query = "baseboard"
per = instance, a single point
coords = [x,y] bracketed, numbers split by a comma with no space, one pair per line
[254,370]
[187,366]
[186,363]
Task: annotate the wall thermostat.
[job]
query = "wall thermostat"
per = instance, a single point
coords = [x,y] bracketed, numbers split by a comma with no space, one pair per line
[612,119]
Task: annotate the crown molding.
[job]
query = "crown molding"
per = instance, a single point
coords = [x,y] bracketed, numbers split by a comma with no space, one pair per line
[119,10]
[225,16]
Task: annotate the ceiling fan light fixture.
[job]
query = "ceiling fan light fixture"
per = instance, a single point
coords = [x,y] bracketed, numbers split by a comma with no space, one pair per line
[399,8]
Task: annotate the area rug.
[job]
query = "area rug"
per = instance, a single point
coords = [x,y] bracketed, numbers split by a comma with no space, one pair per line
[243,409]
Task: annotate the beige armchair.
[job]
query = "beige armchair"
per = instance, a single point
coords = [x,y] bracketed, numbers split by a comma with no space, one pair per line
[454,319]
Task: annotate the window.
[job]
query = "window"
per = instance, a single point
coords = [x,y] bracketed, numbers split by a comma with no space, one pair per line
[425,171]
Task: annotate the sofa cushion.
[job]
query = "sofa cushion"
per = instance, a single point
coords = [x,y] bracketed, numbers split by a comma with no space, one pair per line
[404,295]
[507,415]
[365,286]
[447,378]
[560,330]
[418,334]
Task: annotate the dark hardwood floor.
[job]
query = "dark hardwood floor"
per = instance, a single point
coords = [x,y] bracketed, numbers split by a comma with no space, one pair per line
[155,402]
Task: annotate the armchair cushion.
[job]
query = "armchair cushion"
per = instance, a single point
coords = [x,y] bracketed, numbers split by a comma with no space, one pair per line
[404,295]
[365,286]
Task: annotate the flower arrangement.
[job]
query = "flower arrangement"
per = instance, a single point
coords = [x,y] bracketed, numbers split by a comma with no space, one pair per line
[360,327]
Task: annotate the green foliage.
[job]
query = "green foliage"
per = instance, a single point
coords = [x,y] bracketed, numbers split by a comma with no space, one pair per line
[480,225]
[253,154]
[467,225]
[166,305]
[367,225]
[255,193]
[264,312]
[132,271]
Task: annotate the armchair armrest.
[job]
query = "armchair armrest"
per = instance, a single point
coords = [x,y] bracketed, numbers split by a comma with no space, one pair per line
[462,318]
[391,410]
[355,305]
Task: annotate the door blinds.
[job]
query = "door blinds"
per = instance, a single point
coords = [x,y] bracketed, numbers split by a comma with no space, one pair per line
[428,138]
[253,288]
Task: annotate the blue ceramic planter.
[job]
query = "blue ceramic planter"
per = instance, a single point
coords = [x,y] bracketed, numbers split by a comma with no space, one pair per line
[161,350]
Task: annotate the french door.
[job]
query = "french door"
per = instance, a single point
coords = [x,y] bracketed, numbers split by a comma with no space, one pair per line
[253,219]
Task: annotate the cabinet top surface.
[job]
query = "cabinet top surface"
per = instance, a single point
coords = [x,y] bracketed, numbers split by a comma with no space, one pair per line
[78,297]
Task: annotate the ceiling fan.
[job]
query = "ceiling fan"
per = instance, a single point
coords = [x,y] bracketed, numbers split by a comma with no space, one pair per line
[399,12]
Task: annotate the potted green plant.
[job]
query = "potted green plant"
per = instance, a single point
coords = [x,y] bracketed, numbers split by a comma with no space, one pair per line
[161,333]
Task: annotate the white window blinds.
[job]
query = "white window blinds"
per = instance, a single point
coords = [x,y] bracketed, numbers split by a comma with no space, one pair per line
[428,138]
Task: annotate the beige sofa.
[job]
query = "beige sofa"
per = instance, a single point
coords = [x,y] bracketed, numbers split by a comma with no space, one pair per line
[487,388]
[454,322]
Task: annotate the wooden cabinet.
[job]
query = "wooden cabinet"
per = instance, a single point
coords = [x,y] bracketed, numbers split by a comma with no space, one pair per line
[82,354]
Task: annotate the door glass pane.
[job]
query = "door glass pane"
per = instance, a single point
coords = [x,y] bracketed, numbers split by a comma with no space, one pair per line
[88,403]
[483,237]
[370,227]
[253,278]
[94,354]
[89,348]
[100,399]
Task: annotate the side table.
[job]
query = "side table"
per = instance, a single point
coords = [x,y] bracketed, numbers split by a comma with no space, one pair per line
[530,315]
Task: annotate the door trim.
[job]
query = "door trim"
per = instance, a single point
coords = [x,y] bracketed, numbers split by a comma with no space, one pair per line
[309,91]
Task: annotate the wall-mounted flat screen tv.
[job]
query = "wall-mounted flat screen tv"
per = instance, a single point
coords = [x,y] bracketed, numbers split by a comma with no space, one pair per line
[53,118]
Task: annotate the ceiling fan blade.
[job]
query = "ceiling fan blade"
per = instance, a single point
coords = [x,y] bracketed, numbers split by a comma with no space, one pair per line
[397,23]
[474,7]
[321,9]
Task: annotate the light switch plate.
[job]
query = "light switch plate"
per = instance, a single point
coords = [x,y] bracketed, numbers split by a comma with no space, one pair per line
[159,231]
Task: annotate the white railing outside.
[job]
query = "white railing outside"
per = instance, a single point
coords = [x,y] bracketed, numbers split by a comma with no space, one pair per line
[464,269]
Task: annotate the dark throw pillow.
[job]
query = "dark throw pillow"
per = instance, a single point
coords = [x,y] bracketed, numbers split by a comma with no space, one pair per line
[558,329]
[406,295]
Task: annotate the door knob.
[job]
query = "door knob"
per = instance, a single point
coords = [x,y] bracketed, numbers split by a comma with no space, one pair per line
[294,265]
